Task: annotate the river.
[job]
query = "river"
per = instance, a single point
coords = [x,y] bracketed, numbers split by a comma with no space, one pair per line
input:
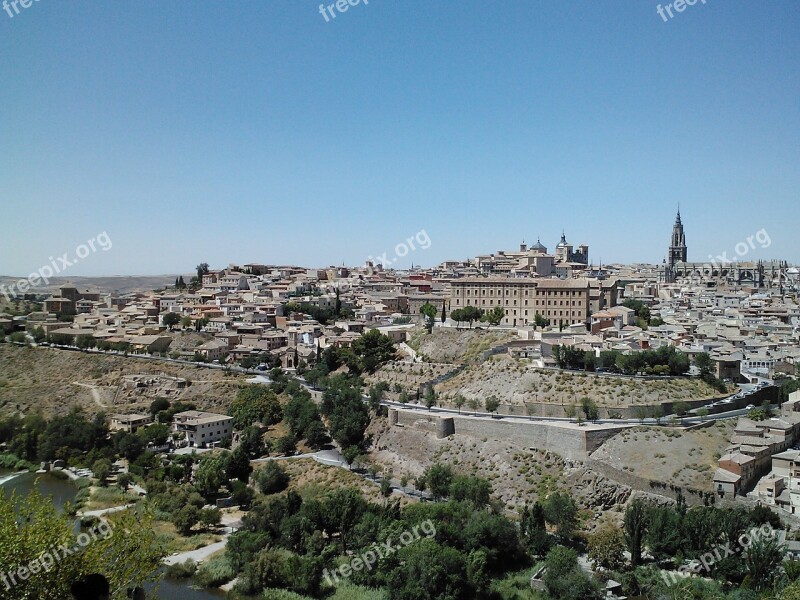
[63,491]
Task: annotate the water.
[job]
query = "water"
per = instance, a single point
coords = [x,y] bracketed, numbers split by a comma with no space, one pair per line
[63,491]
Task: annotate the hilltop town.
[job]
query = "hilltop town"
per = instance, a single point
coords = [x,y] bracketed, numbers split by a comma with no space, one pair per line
[539,373]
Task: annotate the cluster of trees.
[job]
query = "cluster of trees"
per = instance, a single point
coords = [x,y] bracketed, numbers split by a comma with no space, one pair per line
[663,361]
[365,355]
[73,437]
[303,417]
[322,315]
[468,314]
[348,416]
[674,535]
[287,541]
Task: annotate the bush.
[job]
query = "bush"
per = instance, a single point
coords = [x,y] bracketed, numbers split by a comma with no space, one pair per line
[215,572]
[182,570]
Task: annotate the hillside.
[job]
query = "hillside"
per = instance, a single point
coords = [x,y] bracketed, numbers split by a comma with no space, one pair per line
[49,380]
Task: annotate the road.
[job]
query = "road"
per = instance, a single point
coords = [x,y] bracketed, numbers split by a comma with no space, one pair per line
[196,555]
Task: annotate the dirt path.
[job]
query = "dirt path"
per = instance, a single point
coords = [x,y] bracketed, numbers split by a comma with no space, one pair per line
[95,393]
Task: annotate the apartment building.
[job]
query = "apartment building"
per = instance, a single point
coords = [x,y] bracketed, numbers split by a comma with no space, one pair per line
[202,428]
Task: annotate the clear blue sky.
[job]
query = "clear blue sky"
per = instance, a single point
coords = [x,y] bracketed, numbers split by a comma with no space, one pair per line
[255,131]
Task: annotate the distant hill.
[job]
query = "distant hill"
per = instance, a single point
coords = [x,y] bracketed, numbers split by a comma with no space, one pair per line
[122,283]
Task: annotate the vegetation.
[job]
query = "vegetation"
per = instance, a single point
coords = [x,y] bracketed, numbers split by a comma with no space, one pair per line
[125,549]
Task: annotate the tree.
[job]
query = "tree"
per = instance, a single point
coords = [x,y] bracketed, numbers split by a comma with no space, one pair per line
[124,548]
[85,341]
[350,454]
[272,478]
[540,321]
[564,578]
[494,316]
[202,269]
[430,398]
[533,530]
[762,558]
[703,362]
[371,350]
[255,403]
[474,404]
[475,490]
[444,313]
[429,570]
[286,445]
[124,481]
[186,322]
[211,473]
[681,408]
[471,314]
[607,547]
[238,465]
[404,478]
[439,477]
[386,487]
[635,529]
[492,404]
[171,319]
[101,470]
[210,517]
[561,512]
[570,410]
[459,401]
[428,311]
[589,408]
[186,518]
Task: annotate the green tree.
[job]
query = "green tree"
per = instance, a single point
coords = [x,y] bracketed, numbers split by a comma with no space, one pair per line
[635,529]
[124,481]
[428,570]
[474,404]
[428,311]
[286,445]
[211,473]
[439,478]
[202,269]
[533,529]
[171,319]
[253,404]
[494,316]
[186,322]
[125,548]
[607,547]
[561,512]
[371,350]
[430,398]
[492,404]
[564,578]
[210,517]
[702,361]
[459,401]
[85,342]
[186,518]
[101,470]
[271,479]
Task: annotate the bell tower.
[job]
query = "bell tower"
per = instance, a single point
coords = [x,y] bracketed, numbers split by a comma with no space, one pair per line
[677,247]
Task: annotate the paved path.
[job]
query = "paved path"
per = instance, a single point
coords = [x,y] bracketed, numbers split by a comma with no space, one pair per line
[196,555]
[104,511]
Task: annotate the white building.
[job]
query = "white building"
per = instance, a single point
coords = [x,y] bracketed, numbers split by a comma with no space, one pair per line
[202,428]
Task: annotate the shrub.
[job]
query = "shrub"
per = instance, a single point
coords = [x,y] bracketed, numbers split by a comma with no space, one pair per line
[215,572]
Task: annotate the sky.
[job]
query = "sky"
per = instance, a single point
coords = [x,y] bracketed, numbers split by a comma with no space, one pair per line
[257,131]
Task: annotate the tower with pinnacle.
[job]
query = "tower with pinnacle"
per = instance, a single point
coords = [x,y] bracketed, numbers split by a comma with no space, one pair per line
[677,247]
